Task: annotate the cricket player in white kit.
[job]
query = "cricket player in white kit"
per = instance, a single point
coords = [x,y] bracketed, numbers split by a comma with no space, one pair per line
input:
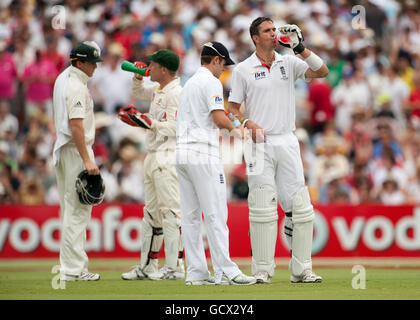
[162,214]
[201,178]
[75,127]
[265,82]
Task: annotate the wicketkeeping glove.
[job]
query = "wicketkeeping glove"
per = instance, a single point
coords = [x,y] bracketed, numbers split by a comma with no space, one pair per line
[124,112]
[291,36]
[142,120]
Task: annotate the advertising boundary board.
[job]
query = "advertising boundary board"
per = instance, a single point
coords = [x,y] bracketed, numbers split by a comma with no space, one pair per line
[115,231]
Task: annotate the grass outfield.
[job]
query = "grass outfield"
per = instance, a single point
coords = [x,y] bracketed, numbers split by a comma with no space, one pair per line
[385,279]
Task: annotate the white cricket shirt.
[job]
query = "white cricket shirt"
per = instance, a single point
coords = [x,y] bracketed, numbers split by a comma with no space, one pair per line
[202,94]
[71,99]
[163,109]
[268,94]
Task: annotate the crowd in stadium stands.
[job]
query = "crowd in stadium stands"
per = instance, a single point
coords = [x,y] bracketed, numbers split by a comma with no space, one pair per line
[359,129]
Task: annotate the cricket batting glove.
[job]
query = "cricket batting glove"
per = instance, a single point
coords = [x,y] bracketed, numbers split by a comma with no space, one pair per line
[291,36]
[124,112]
[142,120]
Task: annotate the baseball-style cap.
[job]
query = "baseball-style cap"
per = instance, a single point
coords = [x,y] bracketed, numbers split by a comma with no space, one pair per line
[166,58]
[84,52]
[215,48]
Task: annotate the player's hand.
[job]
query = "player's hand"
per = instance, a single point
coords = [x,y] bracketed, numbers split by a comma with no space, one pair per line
[123,115]
[257,133]
[139,65]
[91,167]
[291,36]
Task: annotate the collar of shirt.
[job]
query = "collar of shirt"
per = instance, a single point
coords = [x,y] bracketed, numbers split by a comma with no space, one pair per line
[204,69]
[170,85]
[83,77]
[255,62]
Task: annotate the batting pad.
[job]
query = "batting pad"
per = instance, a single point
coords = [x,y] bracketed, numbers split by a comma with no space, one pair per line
[263,218]
[151,242]
[302,217]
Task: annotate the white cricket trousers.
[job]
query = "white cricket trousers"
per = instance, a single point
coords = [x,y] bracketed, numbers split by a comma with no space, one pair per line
[74,215]
[203,190]
[162,202]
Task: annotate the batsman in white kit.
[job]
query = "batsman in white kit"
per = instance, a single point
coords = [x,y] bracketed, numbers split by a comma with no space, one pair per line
[162,215]
[200,172]
[264,82]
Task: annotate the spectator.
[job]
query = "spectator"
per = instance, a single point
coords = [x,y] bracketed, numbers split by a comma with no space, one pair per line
[330,160]
[336,67]
[386,139]
[390,193]
[412,103]
[31,192]
[387,167]
[405,69]
[111,85]
[51,54]
[359,144]
[8,122]
[413,189]
[8,73]
[334,188]
[362,191]
[9,183]
[129,173]
[321,107]
[397,90]
[38,79]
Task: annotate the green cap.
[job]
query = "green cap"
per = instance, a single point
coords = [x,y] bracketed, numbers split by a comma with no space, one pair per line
[84,52]
[166,58]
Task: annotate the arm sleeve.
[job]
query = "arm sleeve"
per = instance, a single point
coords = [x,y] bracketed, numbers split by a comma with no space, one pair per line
[143,91]
[214,96]
[238,87]
[168,128]
[76,104]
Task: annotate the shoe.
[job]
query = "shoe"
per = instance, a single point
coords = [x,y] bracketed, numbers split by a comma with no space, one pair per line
[84,276]
[206,282]
[224,281]
[167,273]
[308,276]
[243,280]
[135,274]
[262,277]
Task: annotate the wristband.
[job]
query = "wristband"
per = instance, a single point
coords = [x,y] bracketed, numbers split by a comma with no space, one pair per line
[244,123]
[314,62]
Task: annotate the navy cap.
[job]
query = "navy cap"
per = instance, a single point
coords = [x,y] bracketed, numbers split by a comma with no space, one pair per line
[218,50]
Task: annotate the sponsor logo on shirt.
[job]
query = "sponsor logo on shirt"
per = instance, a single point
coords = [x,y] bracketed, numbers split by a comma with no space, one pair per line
[78,105]
[283,73]
[217,99]
[222,180]
[259,75]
